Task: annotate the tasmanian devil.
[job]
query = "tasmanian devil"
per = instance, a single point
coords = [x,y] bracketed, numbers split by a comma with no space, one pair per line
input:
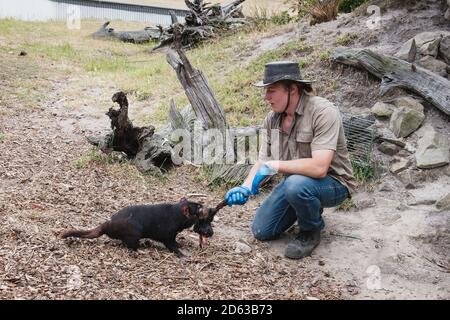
[160,222]
[204,227]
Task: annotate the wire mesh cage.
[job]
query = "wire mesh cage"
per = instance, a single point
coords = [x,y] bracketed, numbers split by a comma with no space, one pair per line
[360,133]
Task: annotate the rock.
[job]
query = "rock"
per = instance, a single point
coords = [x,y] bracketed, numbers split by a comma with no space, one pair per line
[427,43]
[444,49]
[447,171]
[387,186]
[434,65]
[382,110]
[407,118]
[399,164]
[242,247]
[424,129]
[408,179]
[402,207]
[432,150]
[430,48]
[409,147]
[405,121]
[408,102]
[22,53]
[365,203]
[403,52]
[388,148]
[444,203]
[410,186]
[426,202]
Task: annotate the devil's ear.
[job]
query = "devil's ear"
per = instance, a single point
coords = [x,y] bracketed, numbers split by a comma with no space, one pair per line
[183,200]
[185,210]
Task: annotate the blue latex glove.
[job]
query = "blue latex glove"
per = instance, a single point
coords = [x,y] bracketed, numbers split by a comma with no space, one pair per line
[260,175]
[237,195]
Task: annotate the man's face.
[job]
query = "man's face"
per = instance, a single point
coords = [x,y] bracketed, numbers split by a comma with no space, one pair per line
[277,96]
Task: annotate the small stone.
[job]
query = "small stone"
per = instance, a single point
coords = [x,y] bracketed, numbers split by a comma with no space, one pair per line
[410,186]
[387,186]
[434,65]
[409,103]
[444,203]
[242,247]
[365,203]
[399,165]
[426,202]
[402,207]
[447,171]
[382,110]
[388,148]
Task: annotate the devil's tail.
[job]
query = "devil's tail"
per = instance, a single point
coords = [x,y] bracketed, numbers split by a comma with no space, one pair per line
[88,234]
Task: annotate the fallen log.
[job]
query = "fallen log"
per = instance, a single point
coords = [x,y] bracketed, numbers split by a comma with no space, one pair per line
[395,72]
[149,151]
[203,21]
[141,36]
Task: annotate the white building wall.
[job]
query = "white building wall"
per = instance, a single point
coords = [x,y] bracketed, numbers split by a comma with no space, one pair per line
[28,10]
[44,10]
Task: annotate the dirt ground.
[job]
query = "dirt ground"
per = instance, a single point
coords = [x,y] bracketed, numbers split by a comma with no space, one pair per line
[394,245]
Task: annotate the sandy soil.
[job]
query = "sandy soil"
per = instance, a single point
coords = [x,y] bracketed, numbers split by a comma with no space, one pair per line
[394,245]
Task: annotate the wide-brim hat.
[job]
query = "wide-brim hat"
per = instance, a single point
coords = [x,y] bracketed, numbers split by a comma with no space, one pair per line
[282,70]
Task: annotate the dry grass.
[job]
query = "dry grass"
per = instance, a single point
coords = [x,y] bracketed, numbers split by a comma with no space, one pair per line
[147,78]
[324,11]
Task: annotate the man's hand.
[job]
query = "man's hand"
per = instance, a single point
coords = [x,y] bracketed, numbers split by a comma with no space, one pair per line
[265,171]
[237,195]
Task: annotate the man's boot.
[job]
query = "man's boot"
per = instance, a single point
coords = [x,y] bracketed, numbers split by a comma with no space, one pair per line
[303,244]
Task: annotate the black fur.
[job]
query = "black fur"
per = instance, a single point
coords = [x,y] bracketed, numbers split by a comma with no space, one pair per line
[161,222]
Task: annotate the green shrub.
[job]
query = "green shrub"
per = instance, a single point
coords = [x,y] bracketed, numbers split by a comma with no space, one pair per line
[363,169]
[281,18]
[301,7]
[346,39]
[349,5]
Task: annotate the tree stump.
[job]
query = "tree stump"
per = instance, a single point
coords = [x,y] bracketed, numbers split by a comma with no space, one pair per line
[150,152]
[203,21]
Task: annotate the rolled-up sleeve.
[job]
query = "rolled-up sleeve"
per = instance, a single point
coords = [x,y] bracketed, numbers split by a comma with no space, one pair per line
[265,141]
[326,130]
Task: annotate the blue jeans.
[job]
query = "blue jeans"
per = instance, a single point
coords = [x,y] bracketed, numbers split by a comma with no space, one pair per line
[297,198]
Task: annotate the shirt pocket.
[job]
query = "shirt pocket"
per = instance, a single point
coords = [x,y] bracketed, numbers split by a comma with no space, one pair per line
[303,142]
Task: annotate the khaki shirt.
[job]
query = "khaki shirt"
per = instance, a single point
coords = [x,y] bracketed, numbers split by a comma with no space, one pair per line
[317,126]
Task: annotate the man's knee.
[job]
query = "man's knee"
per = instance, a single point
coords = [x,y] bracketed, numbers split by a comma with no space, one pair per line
[260,230]
[298,186]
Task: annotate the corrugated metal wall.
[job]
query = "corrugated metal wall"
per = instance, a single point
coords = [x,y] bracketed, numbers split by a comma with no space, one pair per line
[104,10]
